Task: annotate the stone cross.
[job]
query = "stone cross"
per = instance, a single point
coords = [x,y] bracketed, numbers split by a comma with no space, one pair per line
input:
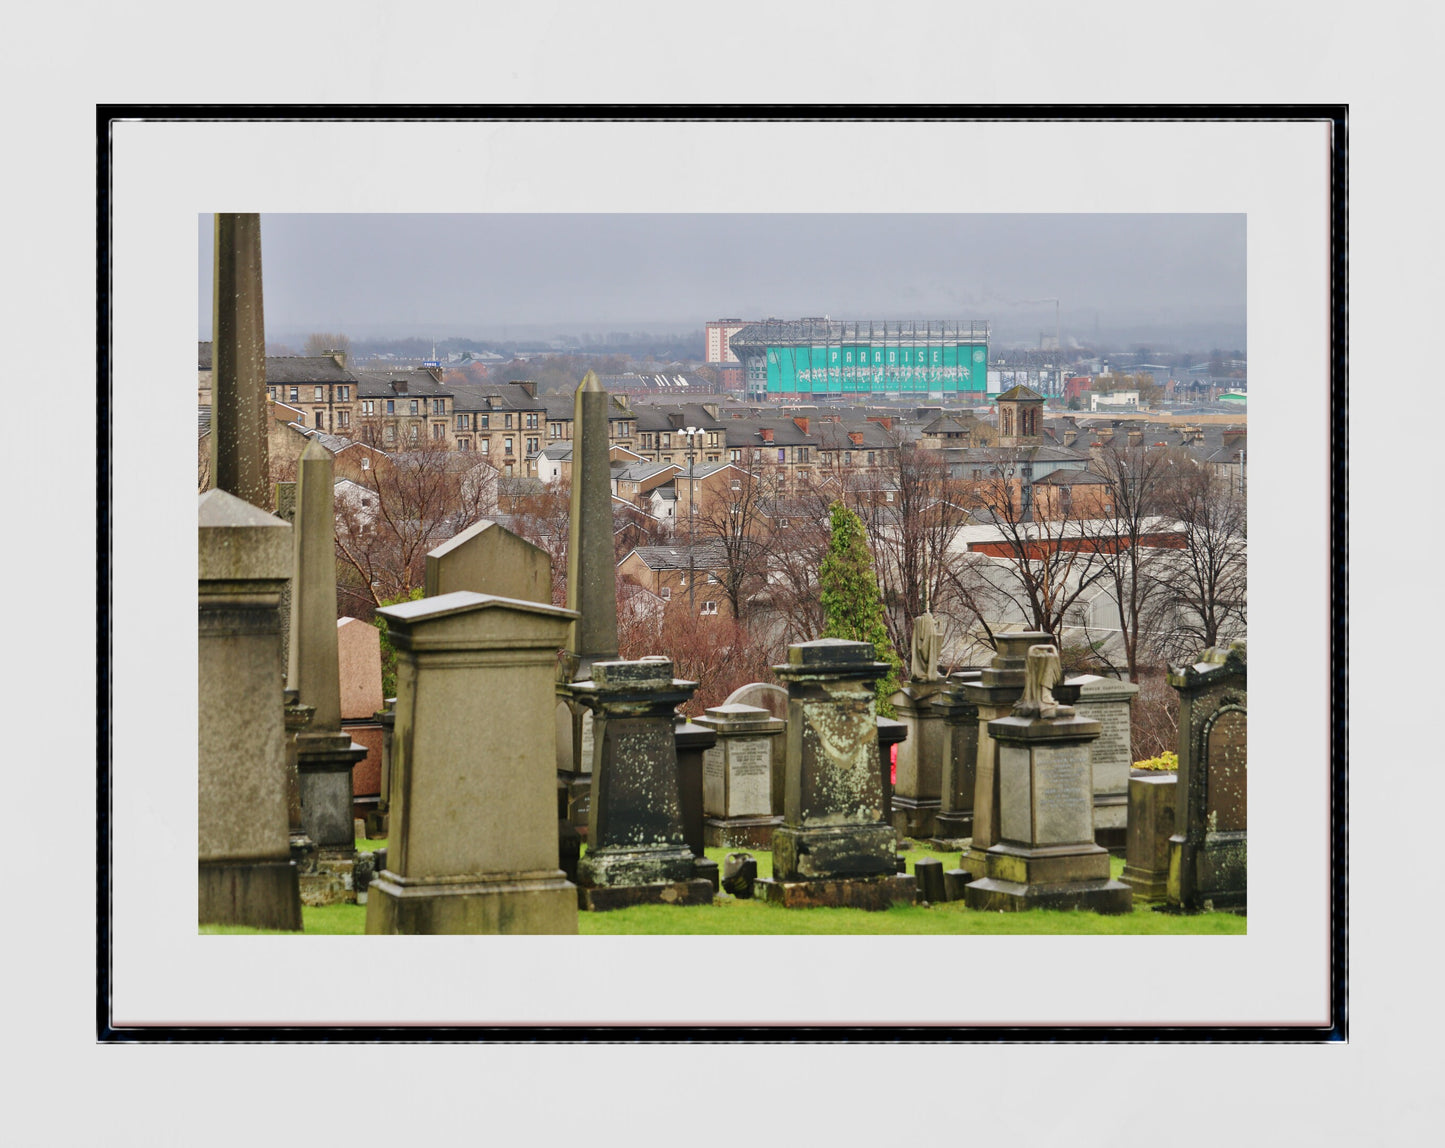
[238,356]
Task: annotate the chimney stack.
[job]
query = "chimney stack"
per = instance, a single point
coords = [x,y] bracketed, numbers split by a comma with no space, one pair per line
[1136,439]
[338,357]
[855,437]
[767,433]
[801,424]
[528,385]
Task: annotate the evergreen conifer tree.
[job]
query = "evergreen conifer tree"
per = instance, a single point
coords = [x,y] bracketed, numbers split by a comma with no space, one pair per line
[852,608]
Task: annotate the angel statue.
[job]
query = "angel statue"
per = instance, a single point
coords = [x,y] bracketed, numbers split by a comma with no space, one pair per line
[1041,671]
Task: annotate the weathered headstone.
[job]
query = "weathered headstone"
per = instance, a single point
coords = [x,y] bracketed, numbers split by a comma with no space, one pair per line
[928,873]
[1000,684]
[490,559]
[833,847]
[738,776]
[1109,702]
[891,734]
[378,822]
[325,753]
[959,776]
[1207,853]
[246,876]
[1151,824]
[636,850]
[774,699]
[1046,856]
[474,831]
[916,794]
[692,742]
[358,649]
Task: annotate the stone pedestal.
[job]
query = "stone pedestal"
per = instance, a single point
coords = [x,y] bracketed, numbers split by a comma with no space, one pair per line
[1046,856]
[490,559]
[473,847]
[246,876]
[1109,702]
[954,823]
[833,847]
[916,796]
[324,764]
[1151,824]
[890,733]
[378,822]
[691,742]
[636,850]
[1207,853]
[738,777]
[1000,684]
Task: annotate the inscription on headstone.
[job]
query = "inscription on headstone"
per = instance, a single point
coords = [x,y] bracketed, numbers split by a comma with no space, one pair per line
[1013,784]
[750,791]
[713,789]
[1063,794]
[1226,805]
[1115,740]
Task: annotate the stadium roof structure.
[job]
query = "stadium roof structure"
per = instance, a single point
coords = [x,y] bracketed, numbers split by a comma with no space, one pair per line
[812,332]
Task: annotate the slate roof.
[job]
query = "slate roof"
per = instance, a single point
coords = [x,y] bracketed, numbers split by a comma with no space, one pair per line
[419,384]
[1071,476]
[284,369]
[706,556]
[814,331]
[1019,394]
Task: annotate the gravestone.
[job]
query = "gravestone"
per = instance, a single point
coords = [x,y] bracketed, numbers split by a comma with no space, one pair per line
[1000,685]
[286,512]
[246,876]
[1207,853]
[636,849]
[325,753]
[891,734]
[1109,702]
[737,776]
[474,810]
[916,794]
[358,650]
[378,822]
[490,559]
[954,823]
[1046,856]
[1151,824]
[692,741]
[297,718]
[833,847]
[774,699]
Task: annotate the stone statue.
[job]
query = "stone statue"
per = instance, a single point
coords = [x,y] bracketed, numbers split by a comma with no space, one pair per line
[927,649]
[1041,672]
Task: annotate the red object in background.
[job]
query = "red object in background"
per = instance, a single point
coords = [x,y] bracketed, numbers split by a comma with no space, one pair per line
[893,765]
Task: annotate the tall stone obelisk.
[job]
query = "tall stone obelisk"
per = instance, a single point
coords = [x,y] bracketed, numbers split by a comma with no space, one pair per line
[591,591]
[325,754]
[238,362]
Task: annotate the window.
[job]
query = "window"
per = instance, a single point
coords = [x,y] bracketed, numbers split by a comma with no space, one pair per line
[414,409]
[295,393]
[712,579]
[365,462]
[439,430]
[391,406]
[782,454]
[438,406]
[870,458]
[411,432]
[712,438]
[534,445]
[343,418]
[320,420]
[463,422]
[735,455]
[486,421]
[554,430]
[666,593]
[320,394]
[389,435]
[507,446]
[782,524]
[343,394]
[532,421]
[847,458]
[464,444]
[708,608]
[888,496]
[667,442]
[368,406]
[736,484]
[486,445]
[509,470]
[508,421]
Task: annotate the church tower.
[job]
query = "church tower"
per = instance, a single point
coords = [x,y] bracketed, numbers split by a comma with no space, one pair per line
[1020,418]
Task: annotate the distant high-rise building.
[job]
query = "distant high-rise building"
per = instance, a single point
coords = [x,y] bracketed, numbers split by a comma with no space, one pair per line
[717,351]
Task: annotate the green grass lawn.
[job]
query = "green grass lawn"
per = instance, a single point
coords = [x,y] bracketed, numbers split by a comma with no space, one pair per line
[730,916]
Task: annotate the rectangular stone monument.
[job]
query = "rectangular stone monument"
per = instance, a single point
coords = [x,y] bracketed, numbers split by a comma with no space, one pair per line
[833,847]
[954,823]
[1046,856]
[1207,858]
[1000,685]
[738,777]
[490,559]
[1109,702]
[246,876]
[636,851]
[916,795]
[692,741]
[358,651]
[1151,824]
[473,794]
[891,734]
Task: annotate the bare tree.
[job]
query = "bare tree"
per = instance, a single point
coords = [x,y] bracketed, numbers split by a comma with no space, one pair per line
[407,503]
[732,518]
[1202,597]
[321,342]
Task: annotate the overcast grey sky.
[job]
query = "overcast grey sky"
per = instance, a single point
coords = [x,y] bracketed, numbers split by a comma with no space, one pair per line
[472,275]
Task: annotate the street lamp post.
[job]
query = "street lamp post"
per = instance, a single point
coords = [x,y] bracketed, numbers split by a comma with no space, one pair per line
[692,433]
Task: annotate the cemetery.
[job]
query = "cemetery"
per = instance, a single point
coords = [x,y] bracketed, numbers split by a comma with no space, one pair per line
[526,779]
